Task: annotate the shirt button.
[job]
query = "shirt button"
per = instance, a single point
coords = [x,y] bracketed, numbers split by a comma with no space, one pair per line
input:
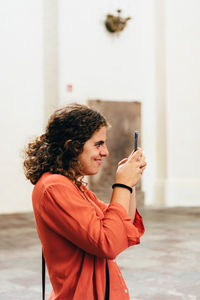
[126,291]
[114,260]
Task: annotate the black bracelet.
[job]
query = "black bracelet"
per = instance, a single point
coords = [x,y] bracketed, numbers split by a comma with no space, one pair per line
[123,186]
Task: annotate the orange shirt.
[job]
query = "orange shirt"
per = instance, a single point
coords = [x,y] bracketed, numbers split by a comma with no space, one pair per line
[78,232]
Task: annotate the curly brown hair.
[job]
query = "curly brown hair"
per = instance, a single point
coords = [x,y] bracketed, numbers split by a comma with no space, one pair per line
[49,153]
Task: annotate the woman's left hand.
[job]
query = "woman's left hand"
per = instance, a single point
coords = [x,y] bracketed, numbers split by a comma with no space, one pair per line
[142,159]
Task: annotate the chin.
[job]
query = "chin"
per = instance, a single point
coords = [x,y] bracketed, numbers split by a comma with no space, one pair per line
[90,173]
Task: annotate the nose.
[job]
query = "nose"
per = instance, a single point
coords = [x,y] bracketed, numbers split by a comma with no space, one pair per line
[104,151]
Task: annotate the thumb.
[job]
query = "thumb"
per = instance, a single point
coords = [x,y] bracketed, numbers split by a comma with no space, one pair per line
[123,161]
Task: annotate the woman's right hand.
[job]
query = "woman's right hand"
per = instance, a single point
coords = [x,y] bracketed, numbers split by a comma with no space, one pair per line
[130,169]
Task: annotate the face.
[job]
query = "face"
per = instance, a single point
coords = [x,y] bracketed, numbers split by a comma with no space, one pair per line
[93,152]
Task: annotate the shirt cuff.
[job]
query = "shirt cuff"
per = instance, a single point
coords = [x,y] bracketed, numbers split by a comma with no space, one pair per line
[132,228]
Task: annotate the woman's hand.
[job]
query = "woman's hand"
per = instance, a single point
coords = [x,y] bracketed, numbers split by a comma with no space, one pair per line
[130,169]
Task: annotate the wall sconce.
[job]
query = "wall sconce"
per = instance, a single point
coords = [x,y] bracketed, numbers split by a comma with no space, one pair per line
[116,23]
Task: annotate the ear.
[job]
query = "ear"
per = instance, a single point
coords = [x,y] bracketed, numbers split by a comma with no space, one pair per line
[67,143]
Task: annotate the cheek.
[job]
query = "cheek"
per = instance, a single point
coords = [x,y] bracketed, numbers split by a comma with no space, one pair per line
[85,159]
[88,156]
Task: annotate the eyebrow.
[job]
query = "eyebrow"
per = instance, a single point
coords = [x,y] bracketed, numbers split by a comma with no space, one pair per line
[99,143]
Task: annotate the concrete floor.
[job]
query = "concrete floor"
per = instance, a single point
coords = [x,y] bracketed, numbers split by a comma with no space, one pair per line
[165,266]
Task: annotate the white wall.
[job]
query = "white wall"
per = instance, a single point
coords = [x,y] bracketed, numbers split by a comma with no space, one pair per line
[21,96]
[183,102]
[103,66]
[48,44]
[154,60]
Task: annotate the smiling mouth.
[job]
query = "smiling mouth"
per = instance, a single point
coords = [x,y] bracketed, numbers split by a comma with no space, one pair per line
[99,161]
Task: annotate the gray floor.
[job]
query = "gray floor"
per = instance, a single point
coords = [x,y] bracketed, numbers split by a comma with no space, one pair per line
[165,266]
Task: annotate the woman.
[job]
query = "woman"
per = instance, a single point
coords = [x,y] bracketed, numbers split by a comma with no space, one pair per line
[81,235]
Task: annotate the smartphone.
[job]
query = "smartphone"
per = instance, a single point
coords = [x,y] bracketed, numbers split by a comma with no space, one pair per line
[136,140]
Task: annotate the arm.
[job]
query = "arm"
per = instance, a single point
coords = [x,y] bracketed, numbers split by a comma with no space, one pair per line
[67,213]
[132,205]
[126,200]
[129,172]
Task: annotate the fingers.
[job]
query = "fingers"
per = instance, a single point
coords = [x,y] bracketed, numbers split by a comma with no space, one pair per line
[142,162]
[139,159]
[143,167]
[137,155]
[133,152]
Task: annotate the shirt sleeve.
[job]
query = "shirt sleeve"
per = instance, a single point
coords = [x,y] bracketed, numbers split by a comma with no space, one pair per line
[74,218]
[138,221]
[133,237]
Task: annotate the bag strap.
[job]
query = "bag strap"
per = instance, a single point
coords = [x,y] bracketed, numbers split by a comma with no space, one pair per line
[43,276]
[107,289]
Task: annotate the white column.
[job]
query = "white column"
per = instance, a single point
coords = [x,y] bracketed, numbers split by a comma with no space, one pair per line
[50,53]
[183,102]
[160,113]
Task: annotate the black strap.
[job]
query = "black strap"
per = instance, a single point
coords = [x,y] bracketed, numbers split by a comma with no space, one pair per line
[43,276]
[107,290]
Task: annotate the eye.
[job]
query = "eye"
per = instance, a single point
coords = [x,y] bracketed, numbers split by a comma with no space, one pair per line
[98,144]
